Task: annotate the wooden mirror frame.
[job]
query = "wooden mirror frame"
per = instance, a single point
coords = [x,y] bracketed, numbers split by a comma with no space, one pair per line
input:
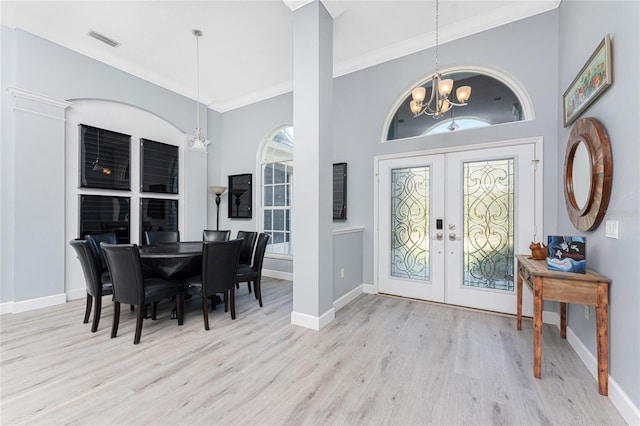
[593,134]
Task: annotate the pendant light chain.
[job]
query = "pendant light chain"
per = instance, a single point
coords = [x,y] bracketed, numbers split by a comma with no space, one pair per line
[197,34]
[437,41]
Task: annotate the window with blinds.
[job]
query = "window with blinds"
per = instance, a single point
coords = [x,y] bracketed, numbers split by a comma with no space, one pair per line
[157,214]
[158,167]
[104,158]
[100,214]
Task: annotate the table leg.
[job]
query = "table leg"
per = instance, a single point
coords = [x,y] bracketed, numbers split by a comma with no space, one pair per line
[537,327]
[563,320]
[519,299]
[602,325]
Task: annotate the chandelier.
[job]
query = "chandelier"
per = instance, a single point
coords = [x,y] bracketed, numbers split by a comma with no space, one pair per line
[439,102]
[198,141]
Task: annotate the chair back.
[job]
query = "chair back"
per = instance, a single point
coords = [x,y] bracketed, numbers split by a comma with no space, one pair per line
[94,242]
[123,261]
[248,241]
[212,235]
[261,248]
[90,266]
[160,237]
[219,265]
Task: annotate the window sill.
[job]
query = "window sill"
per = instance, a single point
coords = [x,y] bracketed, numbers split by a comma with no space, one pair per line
[278,256]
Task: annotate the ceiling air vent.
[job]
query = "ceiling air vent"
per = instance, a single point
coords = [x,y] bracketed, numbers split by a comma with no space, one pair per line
[103,39]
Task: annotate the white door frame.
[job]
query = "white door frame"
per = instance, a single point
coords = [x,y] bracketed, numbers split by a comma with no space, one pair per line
[538,188]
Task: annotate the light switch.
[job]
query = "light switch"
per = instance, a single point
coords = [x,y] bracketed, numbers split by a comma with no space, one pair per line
[612,229]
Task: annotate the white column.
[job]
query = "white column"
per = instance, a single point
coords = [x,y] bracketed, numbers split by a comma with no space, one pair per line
[312,157]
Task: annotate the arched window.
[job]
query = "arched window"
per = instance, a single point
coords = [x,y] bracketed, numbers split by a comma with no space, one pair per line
[277,179]
[494,100]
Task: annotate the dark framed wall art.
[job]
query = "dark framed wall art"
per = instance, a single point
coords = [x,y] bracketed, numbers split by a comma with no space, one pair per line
[340,191]
[240,196]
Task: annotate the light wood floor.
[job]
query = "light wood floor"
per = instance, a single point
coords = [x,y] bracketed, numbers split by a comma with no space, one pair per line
[382,361]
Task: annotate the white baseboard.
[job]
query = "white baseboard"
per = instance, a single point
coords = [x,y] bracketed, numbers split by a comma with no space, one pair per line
[369,289]
[552,318]
[313,322]
[277,274]
[31,304]
[618,397]
[344,300]
[5,308]
[77,294]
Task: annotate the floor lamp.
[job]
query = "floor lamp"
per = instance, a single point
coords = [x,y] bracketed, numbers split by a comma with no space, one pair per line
[218,190]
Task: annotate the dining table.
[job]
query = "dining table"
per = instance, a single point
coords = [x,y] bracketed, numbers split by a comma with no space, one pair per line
[172,261]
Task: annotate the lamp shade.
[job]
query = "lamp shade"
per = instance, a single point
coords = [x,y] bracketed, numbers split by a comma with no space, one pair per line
[445,86]
[218,190]
[418,94]
[463,93]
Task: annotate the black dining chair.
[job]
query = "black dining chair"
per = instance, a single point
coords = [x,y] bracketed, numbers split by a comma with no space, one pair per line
[253,273]
[248,241]
[160,237]
[97,283]
[94,242]
[213,235]
[130,287]
[219,267]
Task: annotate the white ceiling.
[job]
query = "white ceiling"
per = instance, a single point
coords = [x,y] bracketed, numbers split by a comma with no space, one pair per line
[246,49]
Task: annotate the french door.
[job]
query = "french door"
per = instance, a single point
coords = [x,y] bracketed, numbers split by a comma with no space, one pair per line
[450,224]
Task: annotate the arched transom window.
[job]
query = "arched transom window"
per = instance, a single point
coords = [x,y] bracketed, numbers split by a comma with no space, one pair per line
[492,102]
[277,190]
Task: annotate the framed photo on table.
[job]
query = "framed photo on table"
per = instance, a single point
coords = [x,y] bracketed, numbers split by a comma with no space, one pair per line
[592,80]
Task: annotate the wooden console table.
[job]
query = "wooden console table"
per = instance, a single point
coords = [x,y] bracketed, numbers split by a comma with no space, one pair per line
[565,287]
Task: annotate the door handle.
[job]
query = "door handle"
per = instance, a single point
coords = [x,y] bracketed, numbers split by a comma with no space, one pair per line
[452,236]
[439,236]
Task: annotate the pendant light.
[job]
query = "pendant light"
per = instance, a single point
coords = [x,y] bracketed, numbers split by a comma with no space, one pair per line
[439,102]
[198,141]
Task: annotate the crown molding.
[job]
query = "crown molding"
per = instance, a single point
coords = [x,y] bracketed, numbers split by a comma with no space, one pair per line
[17,92]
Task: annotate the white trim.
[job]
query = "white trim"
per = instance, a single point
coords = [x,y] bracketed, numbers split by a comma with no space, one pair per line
[32,304]
[277,274]
[369,289]
[41,114]
[16,92]
[552,318]
[347,298]
[350,230]
[251,98]
[5,308]
[474,25]
[278,256]
[456,148]
[80,293]
[507,79]
[617,396]
[312,322]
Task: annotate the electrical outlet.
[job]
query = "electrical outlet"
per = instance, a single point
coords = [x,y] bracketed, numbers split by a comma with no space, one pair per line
[586,312]
[342,273]
[611,229]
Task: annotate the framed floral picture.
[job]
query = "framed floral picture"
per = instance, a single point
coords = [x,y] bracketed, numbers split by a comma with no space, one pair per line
[593,79]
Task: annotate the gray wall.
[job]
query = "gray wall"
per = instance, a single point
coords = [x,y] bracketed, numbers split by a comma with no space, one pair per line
[582,26]
[362,101]
[32,63]
[243,131]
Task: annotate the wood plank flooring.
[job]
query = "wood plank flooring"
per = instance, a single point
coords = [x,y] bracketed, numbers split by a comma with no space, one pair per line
[383,361]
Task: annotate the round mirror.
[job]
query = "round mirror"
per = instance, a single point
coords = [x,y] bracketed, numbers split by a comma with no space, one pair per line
[581,175]
[587,174]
